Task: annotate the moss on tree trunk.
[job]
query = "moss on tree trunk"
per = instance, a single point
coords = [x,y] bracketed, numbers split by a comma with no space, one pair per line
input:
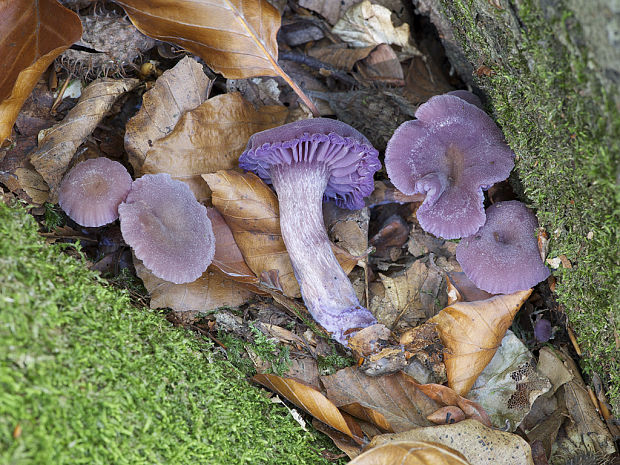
[551,85]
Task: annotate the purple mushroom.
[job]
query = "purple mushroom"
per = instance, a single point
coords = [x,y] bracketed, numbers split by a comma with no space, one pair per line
[451,152]
[542,330]
[467,96]
[502,257]
[308,161]
[92,190]
[167,228]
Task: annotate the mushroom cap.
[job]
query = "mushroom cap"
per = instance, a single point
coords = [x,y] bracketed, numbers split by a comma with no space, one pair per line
[503,257]
[451,152]
[350,159]
[92,190]
[468,96]
[167,228]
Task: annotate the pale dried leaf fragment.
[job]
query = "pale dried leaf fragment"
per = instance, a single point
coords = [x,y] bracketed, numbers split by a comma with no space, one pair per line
[391,402]
[471,333]
[367,24]
[58,144]
[509,385]
[209,292]
[210,138]
[479,444]
[32,35]
[410,453]
[175,92]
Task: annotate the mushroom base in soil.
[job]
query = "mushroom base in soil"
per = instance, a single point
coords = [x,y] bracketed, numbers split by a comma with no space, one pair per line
[326,289]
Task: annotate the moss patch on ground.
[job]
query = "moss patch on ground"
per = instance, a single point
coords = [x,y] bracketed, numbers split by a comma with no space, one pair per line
[565,131]
[86,378]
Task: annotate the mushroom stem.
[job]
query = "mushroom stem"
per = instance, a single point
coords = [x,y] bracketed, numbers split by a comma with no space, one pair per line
[325,288]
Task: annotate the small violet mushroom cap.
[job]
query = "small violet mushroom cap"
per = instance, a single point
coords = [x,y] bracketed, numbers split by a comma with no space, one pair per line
[92,190]
[451,152]
[350,158]
[503,257]
[167,228]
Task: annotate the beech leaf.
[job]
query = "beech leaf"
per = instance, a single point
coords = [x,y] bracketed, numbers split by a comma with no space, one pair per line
[175,92]
[58,144]
[391,402]
[32,35]
[209,292]
[313,402]
[210,138]
[410,453]
[236,38]
[471,333]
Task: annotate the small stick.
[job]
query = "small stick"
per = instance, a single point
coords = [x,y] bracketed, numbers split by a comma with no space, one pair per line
[317,64]
[61,92]
[573,339]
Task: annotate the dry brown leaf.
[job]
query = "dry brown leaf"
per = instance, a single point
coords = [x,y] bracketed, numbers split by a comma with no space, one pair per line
[209,292]
[175,92]
[447,397]
[341,440]
[58,144]
[367,24]
[236,38]
[228,258]
[331,11]
[210,138]
[479,444]
[415,294]
[339,56]
[32,35]
[391,402]
[251,210]
[410,453]
[313,402]
[383,65]
[471,332]
[447,415]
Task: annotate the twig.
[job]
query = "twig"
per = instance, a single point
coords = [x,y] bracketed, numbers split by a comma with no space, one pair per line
[317,64]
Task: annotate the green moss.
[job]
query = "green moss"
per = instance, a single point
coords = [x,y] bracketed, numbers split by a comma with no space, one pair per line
[85,377]
[565,131]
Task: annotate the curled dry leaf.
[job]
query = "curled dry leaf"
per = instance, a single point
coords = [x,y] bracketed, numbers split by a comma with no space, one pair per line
[210,138]
[410,453]
[313,402]
[250,209]
[58,144]
[479,444]
[367,24]
[32,35]
[445,396]
[228,259]
[471,333]
[391,402]
[236,38]
[209,292]
[175,92]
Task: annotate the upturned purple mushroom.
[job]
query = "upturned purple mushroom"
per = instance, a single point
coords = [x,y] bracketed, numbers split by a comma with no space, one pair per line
[451,152]
[503,257]
[92,190]
[167,228]
[307,162]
